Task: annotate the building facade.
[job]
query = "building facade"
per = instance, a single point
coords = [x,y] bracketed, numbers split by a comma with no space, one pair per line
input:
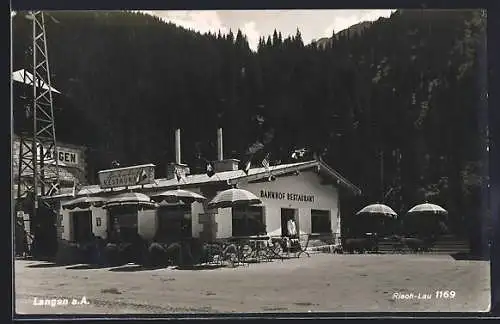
[310,192]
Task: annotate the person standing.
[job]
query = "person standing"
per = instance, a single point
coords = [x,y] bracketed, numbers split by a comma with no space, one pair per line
[292,239]
[291,228]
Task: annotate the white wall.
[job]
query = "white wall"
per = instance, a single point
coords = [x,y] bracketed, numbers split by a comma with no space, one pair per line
[97,230]
[196,210]
[146,223]
[306,183]
[100,230]
[224,220]
[66,224]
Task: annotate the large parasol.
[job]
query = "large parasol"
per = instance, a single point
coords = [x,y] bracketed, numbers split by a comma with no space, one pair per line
[378,209]
[131,198]
[178,195]
[234,197]
[428,208]
[374,217]
[427,218]
[84,202]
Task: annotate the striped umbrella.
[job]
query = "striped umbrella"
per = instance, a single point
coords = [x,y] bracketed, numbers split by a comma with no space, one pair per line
[378,209]
[131,198]
[428,209]
[174,196]
[84,202]
[234,197]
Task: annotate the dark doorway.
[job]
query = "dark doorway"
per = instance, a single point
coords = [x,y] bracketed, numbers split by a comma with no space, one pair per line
[286,214]
[174,223]
[123,223]
[82,226]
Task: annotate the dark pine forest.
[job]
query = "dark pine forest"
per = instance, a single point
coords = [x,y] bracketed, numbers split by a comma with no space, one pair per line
[398,100]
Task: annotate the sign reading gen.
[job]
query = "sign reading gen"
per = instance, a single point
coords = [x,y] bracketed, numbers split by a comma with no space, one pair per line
[129,176]
[66,157]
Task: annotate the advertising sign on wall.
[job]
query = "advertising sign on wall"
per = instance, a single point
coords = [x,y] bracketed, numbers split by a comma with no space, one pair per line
[129,176]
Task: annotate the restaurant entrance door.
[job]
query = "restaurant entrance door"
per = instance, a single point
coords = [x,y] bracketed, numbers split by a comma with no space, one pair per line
[286,214]
[82,226]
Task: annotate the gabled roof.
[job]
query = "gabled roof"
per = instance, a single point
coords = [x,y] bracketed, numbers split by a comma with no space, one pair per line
[279,170]
[227,177]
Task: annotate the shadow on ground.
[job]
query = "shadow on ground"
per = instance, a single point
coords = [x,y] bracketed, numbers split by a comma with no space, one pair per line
[200,267]
[468,257]
[136,267]
[88,266]
[48,265]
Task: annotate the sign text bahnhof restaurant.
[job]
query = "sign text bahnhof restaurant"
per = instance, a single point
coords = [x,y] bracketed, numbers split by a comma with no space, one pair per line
[286,195]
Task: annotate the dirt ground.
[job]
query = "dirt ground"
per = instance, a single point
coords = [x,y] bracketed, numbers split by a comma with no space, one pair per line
[321,283]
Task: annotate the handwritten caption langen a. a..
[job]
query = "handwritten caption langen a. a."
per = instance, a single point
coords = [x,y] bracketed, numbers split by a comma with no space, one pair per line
[58,302]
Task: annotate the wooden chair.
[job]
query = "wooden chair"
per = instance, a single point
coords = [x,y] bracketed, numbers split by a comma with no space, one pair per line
[299,246]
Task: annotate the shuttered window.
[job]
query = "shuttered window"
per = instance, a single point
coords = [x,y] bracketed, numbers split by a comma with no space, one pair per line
[321,221]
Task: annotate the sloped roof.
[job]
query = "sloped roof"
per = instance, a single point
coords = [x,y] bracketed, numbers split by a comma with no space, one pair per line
[26,77]
[228,177]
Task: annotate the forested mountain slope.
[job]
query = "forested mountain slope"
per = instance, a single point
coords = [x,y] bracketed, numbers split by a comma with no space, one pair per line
[407,86]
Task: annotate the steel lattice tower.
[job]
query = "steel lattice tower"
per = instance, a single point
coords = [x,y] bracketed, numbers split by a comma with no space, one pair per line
[38,171]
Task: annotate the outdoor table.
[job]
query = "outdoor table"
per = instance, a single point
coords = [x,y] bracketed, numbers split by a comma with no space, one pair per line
[302,249]
[240,242]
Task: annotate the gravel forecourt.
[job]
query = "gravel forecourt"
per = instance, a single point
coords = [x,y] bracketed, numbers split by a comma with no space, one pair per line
[321,283]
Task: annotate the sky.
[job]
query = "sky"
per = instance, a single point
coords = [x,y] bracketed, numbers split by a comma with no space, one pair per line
[313,24]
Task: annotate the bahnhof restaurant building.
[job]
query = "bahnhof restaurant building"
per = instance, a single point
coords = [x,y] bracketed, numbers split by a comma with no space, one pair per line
[307,191]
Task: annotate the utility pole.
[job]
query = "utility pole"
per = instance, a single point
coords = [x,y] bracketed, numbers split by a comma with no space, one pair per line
[382,174]
[38,172]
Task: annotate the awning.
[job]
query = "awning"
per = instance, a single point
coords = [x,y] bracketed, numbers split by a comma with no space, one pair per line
[130,198]
[173,196]
[85,202]
[234,197]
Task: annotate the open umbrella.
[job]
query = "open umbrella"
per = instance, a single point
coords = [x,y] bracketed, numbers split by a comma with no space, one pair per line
[131,198]
[428,209]
[427,218]
[174,196]
[377,215]
[84,202]
[234,197]
[378,209]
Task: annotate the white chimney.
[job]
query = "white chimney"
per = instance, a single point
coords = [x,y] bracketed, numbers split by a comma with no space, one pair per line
[175,168]
[222,165]
[178,146]
[220,155]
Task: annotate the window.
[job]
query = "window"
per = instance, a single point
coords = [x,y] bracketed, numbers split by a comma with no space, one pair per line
[321,221]
[248,221]
[123,223]
[174,223]
[81,226]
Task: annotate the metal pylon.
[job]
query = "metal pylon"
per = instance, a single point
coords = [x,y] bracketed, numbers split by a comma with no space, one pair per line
[38,172]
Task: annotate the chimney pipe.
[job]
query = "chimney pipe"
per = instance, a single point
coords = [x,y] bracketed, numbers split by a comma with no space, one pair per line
[178,146]
[220,155]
